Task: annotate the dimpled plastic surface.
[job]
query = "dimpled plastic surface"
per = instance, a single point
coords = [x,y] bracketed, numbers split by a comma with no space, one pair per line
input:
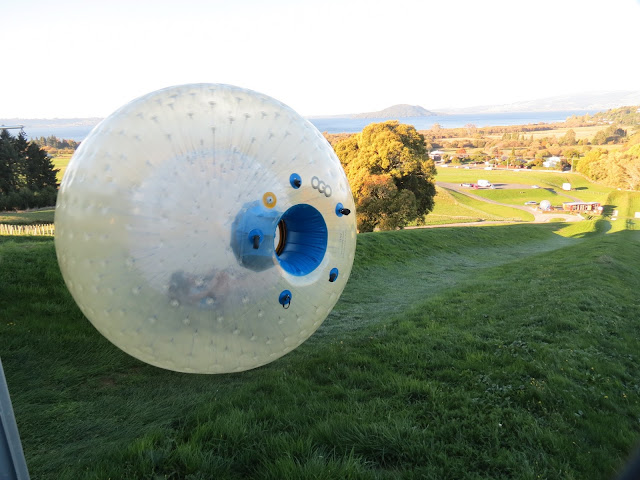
[145,228]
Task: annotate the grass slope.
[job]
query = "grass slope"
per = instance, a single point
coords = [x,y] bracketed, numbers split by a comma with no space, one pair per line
[493,352]
[506,213]
[581,187]
[452,207]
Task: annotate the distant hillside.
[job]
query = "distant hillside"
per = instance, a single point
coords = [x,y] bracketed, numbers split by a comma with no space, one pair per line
[51,122]
[393,112]
[396,111]
[594,101]
[622,116]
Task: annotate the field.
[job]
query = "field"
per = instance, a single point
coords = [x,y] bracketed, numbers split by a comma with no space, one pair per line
[60,162]
[28,218]
[581,187]
[504,351]
[452,207]
[581,132]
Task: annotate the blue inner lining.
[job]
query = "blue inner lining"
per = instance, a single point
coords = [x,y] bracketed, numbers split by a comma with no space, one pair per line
[306,240]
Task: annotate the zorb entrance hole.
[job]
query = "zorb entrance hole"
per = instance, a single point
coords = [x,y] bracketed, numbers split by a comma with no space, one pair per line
[191,216]
[301,240]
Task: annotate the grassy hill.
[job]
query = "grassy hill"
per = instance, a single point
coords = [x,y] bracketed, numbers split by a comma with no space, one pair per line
[582,188]
[452,207]
[486,352]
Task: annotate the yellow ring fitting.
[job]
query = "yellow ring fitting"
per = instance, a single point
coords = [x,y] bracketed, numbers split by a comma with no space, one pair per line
[269,200]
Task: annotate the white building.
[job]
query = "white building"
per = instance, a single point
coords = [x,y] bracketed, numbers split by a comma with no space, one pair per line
[551,162]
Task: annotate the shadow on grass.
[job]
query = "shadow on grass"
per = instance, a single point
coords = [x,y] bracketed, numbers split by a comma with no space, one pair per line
[602,226]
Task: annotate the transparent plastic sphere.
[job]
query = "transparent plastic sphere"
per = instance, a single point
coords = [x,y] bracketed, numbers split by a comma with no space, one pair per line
[205,228]
[545,205]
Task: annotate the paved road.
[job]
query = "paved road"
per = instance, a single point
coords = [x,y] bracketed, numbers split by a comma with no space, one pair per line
[539,217]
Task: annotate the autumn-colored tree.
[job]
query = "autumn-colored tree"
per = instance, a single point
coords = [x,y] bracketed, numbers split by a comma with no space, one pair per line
[554,149]
[599,138]
[390,174]
[569,138]
[381,204]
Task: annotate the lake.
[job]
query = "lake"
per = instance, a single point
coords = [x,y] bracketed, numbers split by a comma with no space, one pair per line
[352,125]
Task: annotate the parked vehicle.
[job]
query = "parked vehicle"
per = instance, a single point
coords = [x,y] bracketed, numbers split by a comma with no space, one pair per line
[467,185]
[484,183]
[531,202]
[535,186]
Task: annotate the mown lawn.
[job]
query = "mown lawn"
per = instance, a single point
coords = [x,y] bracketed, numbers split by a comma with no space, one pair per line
[61,162]
[485,352]
[32,217]
[451,207]
[516,196]
[581,187]
[506,213]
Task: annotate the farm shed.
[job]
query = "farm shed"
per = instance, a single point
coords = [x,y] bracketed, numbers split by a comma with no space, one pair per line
[436,155]
[582,207]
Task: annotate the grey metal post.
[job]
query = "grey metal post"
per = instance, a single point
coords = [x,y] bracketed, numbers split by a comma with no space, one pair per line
[12,463]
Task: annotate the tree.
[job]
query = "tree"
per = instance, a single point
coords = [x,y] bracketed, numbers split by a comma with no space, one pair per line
[381,204]
[38,169]
[390,173]
[569,138]
[599,138]
[9,164]
[27,175]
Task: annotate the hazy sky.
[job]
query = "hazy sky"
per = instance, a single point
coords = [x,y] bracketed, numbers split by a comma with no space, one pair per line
[87,58]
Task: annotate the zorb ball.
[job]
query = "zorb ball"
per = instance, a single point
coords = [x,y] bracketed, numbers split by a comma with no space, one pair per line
[545,205]
[205,228]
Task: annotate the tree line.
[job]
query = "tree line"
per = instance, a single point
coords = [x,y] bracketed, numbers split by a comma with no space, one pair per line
[621,115]
[55,142]
[617,168]
[54,145]
[27,174]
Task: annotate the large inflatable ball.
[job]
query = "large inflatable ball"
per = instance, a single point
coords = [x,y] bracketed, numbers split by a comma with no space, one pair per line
[205,228]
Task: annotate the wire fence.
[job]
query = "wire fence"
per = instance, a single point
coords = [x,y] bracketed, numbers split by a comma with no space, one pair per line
[44,229]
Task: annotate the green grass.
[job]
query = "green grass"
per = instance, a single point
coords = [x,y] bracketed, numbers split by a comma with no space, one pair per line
[448,209]
[515,196]
[581,187]
[467,353]
[452,207]
[626,204]
[33,217]
[493,209]
[60,162]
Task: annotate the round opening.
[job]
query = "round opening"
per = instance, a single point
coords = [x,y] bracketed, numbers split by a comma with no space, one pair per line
[300,239]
